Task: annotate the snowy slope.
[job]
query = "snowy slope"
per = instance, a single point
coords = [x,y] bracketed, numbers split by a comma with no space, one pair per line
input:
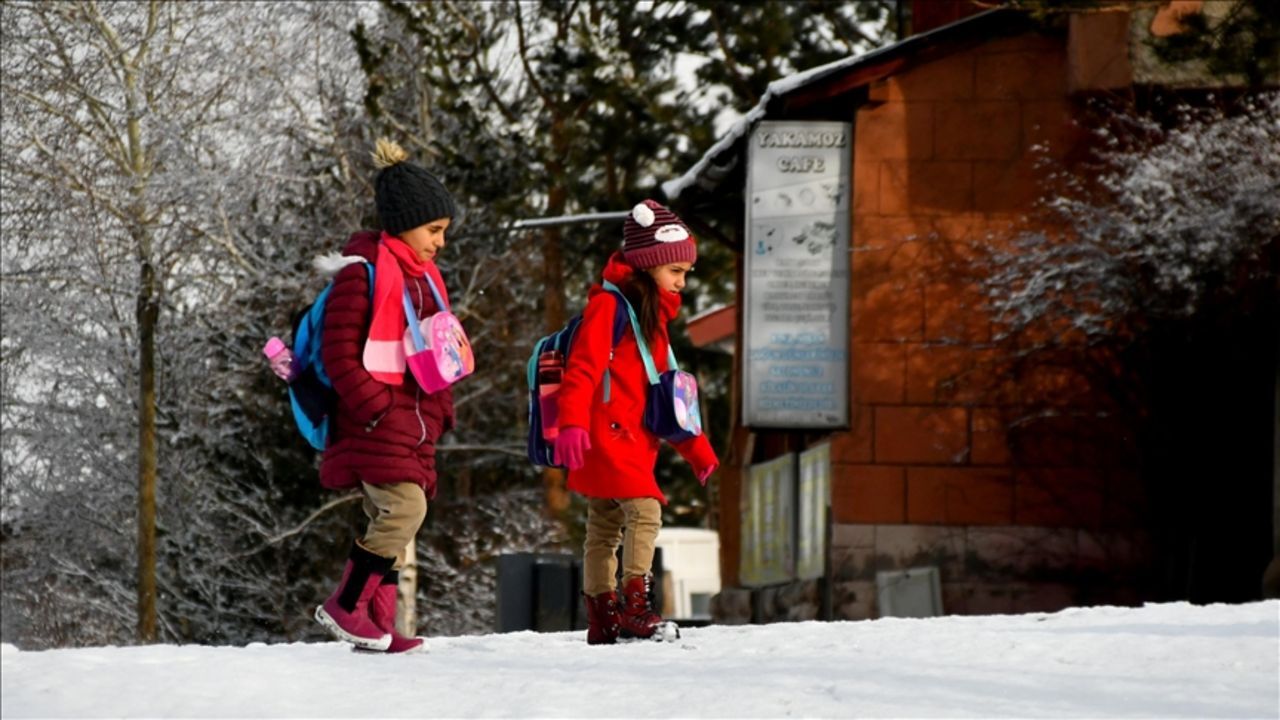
[1173,660]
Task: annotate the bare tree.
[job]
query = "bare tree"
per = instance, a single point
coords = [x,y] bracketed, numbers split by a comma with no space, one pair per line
[136,137]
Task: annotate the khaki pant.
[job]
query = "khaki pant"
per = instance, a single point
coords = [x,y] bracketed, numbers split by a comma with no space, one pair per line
[395,512]
[633,522]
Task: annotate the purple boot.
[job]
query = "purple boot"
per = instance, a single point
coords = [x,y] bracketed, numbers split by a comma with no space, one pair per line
[382,610]
[346,613]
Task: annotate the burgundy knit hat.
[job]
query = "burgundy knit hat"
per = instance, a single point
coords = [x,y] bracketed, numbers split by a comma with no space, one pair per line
[653,235]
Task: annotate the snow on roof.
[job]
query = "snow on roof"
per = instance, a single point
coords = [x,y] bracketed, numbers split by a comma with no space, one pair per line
[777,88]
[783,86]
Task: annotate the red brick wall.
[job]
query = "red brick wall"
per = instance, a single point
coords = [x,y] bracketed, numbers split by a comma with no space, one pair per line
[943,158]
[929,473]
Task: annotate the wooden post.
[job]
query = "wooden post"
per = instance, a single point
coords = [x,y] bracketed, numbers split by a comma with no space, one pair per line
[407,592]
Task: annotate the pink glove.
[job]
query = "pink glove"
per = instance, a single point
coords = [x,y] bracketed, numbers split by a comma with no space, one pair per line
[571,447]
[706,473]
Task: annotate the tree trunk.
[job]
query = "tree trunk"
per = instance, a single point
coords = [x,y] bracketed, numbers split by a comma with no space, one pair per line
[553,479]
[407,592]
[148,315]
[1275,420]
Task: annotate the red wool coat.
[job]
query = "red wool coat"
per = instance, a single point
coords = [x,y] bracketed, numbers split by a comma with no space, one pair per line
[623,453]
[380,433]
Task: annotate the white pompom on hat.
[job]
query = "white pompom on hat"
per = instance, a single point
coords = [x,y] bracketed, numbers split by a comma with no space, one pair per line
[652,235]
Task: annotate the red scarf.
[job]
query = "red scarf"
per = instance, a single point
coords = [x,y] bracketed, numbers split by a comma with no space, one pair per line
[384,355]
[617,271]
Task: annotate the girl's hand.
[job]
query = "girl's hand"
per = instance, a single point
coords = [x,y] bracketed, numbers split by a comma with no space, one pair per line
[706,473]
[571,447]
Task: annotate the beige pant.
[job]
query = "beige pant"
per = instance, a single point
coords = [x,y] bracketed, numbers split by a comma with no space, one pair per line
[395,512]
[634,523]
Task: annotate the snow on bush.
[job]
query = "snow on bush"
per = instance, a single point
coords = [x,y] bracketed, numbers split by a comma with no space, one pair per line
[1174,215]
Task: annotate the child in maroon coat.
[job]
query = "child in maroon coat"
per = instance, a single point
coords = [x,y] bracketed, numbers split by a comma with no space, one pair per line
[383,434]
[609,453]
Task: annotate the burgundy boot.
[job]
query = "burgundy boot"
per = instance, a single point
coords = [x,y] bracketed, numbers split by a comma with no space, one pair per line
[602,618]
[638,619]
[382,610]
[346,613]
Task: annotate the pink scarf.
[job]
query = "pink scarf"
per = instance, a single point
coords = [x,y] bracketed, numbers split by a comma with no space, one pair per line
[384,356]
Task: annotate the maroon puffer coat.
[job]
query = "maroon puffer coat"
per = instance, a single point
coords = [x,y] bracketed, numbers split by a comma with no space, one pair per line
[380,433]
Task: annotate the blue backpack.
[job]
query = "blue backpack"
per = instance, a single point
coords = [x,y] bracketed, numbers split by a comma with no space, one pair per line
[311,392]
[545,370]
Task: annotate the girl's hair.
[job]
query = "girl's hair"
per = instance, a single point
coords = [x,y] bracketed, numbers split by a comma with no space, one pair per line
[641,290]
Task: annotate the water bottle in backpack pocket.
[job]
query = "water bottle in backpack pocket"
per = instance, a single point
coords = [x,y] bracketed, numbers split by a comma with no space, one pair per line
[281,359]
[311,393]
[550,372]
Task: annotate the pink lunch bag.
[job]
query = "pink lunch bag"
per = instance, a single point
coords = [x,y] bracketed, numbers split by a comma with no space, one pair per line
[436,347]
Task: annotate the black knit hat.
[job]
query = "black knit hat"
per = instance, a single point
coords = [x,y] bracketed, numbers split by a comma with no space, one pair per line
[407,195]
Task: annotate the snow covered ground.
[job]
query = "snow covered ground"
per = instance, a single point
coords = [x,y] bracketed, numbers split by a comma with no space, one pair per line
[1173,660]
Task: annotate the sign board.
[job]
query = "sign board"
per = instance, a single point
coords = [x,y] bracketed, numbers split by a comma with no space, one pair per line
[811,521]
[768,523]
[914,592]
[796,289]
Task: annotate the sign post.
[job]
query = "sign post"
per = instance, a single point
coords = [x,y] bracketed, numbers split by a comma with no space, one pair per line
[796,290]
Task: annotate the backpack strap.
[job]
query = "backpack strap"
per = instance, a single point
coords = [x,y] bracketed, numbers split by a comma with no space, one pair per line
[411,317]
[368,266]
[308,329]
[409,312]
[620,324]
[531,367]
[435,293]
[650,368]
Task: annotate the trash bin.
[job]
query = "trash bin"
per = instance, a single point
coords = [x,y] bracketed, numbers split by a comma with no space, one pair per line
[543,592]
[555,599]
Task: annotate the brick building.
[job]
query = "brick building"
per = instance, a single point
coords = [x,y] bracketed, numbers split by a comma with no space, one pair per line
[948,128]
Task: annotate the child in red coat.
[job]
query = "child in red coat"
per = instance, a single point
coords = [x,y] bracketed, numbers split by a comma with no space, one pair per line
[605,445]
